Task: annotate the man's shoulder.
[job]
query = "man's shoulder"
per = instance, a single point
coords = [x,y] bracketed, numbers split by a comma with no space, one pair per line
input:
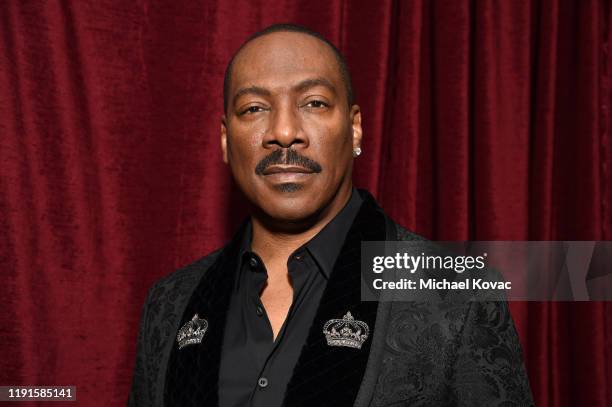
[404,234]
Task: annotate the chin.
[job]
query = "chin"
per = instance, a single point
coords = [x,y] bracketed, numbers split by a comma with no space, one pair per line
[291,203]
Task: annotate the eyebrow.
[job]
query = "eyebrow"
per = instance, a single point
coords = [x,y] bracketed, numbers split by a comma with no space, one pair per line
[251,90]
[300,87]
[313,82]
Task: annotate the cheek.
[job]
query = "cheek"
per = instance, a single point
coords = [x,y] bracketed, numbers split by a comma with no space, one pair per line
[255,133]
[330,144]
[244,142]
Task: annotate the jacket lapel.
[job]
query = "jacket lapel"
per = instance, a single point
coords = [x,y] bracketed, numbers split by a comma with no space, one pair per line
[324,375]
[192,377]
[332,375]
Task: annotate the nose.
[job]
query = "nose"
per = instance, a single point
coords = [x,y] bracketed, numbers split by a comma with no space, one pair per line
[285,129]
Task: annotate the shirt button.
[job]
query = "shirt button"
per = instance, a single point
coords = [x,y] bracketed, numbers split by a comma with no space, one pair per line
[262,382]
[259,310]
[253,262]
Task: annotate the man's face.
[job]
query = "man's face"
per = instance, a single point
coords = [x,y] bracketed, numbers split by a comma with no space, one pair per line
[288,133]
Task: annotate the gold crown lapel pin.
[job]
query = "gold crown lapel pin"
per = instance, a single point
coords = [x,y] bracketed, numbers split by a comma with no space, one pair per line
[192,332]
[347,332]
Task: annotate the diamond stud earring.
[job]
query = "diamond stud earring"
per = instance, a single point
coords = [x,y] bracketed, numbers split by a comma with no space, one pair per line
[356,152]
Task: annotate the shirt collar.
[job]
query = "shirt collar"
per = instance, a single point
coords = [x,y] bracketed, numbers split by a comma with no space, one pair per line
[325,246]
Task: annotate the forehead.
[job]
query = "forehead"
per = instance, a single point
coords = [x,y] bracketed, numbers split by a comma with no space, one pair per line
[282,58]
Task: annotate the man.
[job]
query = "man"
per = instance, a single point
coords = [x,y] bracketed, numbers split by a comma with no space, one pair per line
[275,317]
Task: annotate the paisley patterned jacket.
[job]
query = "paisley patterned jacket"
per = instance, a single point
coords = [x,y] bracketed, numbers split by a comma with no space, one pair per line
[450,353]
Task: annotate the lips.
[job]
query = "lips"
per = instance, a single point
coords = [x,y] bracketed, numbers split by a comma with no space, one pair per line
[286,169]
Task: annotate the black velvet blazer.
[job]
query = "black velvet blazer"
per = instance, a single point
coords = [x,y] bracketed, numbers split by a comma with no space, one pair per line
[417,354]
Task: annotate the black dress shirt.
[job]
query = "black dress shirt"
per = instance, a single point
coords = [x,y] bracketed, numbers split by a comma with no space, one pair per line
[255,369]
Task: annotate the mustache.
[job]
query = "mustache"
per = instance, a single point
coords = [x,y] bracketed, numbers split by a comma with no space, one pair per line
[287,157]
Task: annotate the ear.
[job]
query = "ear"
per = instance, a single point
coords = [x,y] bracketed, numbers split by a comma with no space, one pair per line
[224,138]
[356,125]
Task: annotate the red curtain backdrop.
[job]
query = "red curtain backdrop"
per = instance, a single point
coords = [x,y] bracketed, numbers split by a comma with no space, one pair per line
[484,120]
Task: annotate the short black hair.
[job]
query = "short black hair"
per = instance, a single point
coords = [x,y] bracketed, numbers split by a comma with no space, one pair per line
[344,71]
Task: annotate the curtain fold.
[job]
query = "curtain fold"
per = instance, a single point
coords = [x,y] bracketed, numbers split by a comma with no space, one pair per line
[483,120]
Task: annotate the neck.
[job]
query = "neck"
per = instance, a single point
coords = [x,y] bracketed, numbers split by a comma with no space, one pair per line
[274,242]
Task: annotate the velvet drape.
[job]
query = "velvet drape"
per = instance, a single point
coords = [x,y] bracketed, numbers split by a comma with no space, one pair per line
[483,120]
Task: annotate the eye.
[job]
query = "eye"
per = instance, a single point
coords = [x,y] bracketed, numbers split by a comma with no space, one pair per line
[316,104]
[252,110]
